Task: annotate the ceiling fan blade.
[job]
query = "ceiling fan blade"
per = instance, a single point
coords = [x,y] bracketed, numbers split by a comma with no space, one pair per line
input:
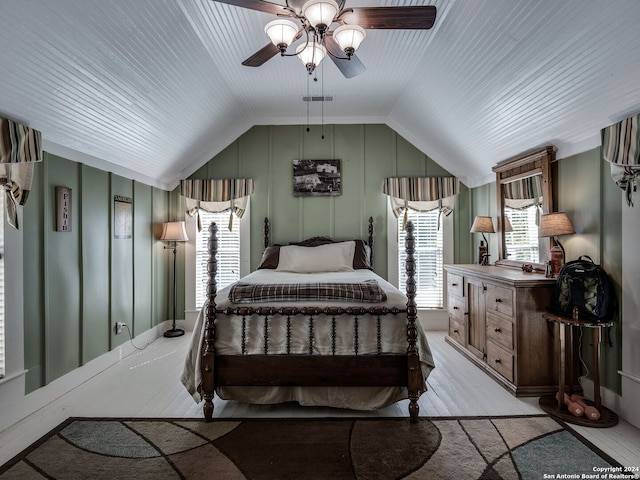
[259,5]
[349,68]
[261,56]
[397,18]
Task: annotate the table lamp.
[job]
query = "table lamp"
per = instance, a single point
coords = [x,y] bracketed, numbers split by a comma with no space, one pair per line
[554,225]
[483,225]
[174,232]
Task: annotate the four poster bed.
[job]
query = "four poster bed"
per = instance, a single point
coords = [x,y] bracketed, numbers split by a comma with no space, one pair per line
[314,324]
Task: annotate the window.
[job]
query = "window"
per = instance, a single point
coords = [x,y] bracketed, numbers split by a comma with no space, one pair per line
[2,361]
[228,270]
[429,258]
[522,242]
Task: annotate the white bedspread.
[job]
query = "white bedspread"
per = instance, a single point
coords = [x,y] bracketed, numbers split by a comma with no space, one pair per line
[229,333]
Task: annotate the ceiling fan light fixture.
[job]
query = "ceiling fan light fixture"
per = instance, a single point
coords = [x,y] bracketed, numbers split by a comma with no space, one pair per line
[320,14]
[281,32]
[349,37]
[311,54]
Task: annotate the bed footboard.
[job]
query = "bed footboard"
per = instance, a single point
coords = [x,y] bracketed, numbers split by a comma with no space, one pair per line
[391,370]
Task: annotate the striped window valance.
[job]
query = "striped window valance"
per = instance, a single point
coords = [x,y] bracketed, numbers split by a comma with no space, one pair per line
[524,192]
[421,194]
[421,189]
[20,147]
[621,148]
[217,195]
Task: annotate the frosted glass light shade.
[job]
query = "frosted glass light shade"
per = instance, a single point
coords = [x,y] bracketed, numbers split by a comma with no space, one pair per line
[320,13]
[174,232]
[482,225]
[281,32]
[311,53]
[552,224]
[349,37]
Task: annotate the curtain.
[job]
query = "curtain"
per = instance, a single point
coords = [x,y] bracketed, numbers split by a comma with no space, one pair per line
[621,148]
[523,193]
[20,147]
[422,194]
[217,195]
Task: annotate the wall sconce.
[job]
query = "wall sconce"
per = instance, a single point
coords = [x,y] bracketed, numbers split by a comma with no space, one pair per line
[483,225]
[554,225]
[174,232]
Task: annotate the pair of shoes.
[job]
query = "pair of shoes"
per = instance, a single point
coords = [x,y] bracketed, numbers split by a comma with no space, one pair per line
[590,412]
[572,406]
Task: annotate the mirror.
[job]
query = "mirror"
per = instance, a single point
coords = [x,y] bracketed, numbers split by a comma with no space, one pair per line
[523,191]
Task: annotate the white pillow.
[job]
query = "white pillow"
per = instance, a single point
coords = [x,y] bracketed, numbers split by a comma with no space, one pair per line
[332,257]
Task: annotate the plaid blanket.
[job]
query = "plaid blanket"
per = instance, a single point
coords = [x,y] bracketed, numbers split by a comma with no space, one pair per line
[367,291]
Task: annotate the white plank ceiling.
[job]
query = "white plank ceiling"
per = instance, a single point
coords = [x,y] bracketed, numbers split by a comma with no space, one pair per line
[152,89]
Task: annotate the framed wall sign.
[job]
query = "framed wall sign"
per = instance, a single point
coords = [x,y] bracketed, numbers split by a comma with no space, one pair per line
[316,178]
[122,216]
[63,209]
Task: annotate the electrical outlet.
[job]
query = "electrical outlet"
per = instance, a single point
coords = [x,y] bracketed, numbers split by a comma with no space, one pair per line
[119,327]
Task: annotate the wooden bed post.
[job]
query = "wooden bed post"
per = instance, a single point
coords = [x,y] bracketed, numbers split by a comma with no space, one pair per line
[371,240]
[413,359]
[208,350]
[266,233]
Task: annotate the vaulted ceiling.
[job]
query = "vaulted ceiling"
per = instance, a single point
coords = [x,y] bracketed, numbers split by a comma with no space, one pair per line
[153,89]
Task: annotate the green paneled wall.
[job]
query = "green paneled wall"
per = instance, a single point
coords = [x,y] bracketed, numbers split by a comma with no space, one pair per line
[80,282]
[584,190]
[368,154]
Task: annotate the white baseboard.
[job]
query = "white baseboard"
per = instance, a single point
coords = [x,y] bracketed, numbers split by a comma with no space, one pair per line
[15,405]
[625,405]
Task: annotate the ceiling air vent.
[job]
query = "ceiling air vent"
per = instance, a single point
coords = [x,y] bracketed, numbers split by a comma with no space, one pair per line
[317,99]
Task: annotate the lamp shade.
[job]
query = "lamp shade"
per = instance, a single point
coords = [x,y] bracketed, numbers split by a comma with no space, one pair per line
[349,37]
[320,13]
[507,224]
[482,225]
[311,53]
[174,232]
[281,32]
[552,224]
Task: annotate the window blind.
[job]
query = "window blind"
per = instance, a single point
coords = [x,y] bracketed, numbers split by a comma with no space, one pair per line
[228,270]
[428,256]
[522,242]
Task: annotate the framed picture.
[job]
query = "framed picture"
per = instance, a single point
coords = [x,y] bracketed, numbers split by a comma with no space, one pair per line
[316,178]
[122,216]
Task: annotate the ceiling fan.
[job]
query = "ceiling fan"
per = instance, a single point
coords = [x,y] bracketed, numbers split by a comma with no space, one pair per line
[315,18]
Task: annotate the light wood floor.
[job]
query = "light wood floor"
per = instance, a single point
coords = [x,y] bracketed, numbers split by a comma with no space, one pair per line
[146,384]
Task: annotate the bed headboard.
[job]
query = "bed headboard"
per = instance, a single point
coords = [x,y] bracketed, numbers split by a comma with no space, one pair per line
[315,241]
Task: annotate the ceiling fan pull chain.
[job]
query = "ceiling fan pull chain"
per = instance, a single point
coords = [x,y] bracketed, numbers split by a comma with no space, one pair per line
[308,104]
[322,104]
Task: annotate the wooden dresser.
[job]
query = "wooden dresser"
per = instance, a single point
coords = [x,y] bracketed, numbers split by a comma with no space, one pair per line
[495,319]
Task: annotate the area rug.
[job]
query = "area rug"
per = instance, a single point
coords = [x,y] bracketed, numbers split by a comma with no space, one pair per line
[525,447]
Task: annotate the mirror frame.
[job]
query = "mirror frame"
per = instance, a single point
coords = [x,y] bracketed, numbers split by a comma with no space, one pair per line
[525,165]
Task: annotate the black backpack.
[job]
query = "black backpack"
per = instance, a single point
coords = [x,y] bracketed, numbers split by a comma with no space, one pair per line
[586,286]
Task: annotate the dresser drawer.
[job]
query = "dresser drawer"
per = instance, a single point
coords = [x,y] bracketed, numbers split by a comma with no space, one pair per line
[500,330]
[455,284]
[457,307]
[499,299]
[500,360]
[457,331]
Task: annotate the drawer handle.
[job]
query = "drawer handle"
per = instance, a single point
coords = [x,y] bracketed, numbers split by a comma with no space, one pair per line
[454,284]
[498,300]
[497,360]
[455,308]
[497,330]
[455,330]
[466,313]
